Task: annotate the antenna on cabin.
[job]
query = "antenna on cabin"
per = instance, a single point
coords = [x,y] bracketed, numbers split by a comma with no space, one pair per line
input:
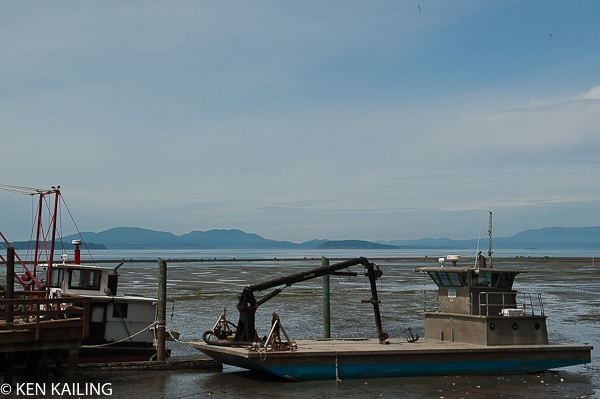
[454,259]
[490,237]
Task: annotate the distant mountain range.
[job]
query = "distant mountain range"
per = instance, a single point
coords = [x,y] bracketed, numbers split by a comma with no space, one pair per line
[138,238]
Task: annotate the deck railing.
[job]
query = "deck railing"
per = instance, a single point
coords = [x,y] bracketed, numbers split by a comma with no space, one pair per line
[530,304]
[34,311]
[430,301]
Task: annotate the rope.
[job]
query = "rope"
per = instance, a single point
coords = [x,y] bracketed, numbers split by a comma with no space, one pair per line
[121,340]
[261,353]
[170,332]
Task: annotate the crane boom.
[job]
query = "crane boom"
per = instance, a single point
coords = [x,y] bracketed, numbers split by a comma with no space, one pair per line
[248,304]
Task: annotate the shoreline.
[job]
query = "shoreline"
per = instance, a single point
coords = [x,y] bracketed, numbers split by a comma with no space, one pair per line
[527,259]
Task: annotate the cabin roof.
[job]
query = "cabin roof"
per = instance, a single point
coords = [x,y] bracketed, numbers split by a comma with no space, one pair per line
[453,269]
[74,266]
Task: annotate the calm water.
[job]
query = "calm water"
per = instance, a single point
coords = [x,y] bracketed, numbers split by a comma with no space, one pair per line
[200,290]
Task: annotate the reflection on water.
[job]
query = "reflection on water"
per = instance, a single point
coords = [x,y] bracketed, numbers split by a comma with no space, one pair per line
[245,384]
[201,290]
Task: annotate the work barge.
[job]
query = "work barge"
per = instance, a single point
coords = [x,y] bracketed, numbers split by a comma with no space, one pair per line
[475,323]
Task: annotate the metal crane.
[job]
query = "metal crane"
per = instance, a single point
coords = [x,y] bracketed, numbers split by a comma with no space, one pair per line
[245,331]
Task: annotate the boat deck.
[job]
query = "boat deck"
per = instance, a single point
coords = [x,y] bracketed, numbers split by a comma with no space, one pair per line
[372,346]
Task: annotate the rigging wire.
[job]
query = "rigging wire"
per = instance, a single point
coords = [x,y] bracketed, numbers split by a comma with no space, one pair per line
[501,242]
[32,224]
[346,280]
[45,233]
[64,203]
[19,189]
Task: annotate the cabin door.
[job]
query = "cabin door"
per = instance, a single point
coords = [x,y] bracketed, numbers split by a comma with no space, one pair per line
[97,321]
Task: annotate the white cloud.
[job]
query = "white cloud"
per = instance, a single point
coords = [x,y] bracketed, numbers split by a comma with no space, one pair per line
[592,94]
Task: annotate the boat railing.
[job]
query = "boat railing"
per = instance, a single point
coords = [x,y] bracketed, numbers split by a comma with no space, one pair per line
[35,311]
[509,303]
[430,301]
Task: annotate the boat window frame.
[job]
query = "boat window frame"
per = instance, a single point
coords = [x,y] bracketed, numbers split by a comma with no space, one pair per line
[443,279]
[87,279]
[485,279]
[120,310]
[56,278]
[493,279]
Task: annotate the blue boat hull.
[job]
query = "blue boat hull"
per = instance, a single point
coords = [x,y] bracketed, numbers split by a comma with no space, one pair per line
[326,362]
[353,371]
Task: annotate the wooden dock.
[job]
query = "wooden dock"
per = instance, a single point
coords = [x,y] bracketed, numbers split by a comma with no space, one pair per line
[34,327]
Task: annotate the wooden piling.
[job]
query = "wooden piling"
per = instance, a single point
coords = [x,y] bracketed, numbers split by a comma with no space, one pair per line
[161,311]
[326,301]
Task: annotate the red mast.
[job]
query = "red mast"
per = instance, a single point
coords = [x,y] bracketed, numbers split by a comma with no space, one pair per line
[44,237]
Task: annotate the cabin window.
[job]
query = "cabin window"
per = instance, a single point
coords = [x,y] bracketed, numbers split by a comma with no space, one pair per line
[506,280]
[435,278]
[56,278]
[485,279]
[120,310]
[85,279]
[489,279]
[444,279]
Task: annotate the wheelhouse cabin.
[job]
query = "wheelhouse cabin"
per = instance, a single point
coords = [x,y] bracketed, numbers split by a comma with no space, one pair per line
[112,318]
[479,305]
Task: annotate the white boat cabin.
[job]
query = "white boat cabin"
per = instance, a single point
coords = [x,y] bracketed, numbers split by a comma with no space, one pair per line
[112,318]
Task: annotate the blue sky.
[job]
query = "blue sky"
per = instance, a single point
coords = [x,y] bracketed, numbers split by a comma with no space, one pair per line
[298,120]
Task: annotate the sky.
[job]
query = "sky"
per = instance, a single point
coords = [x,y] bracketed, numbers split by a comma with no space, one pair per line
[379,120]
